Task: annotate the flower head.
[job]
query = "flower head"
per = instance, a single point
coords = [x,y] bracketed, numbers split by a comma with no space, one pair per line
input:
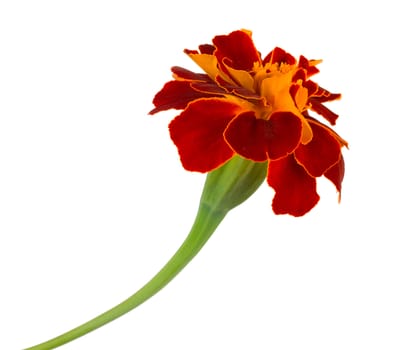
[256,108]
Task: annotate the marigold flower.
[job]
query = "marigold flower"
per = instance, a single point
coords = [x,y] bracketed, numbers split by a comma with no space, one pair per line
[244,118]
[257,108]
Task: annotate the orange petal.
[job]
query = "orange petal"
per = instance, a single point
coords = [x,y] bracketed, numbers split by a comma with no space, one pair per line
[208,63]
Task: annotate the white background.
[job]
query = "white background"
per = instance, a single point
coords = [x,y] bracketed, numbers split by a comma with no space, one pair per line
[93,199]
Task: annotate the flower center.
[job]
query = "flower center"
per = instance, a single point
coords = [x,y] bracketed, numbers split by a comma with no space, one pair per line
[272,82]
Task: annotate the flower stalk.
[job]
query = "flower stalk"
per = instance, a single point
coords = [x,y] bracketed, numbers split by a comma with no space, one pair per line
[224,189]
[246,115]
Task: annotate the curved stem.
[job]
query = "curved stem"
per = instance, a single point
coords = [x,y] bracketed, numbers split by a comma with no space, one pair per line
[225,188]
[205,224]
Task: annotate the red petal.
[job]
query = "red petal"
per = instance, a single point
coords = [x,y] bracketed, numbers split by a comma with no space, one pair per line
[321,153]
[295,189]
[322,95]
[326,113]
[259,139]
[279,55]
[198,134]
[182,73]
[176,94]
[237,90]
[210,88]
[305,63]
[311,86]
[203,49]
[207,49]
[238,48]
[300,75]
[336,173]
[293,91]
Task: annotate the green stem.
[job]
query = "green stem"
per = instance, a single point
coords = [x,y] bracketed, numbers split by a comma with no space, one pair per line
[225,188]
[205,224]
